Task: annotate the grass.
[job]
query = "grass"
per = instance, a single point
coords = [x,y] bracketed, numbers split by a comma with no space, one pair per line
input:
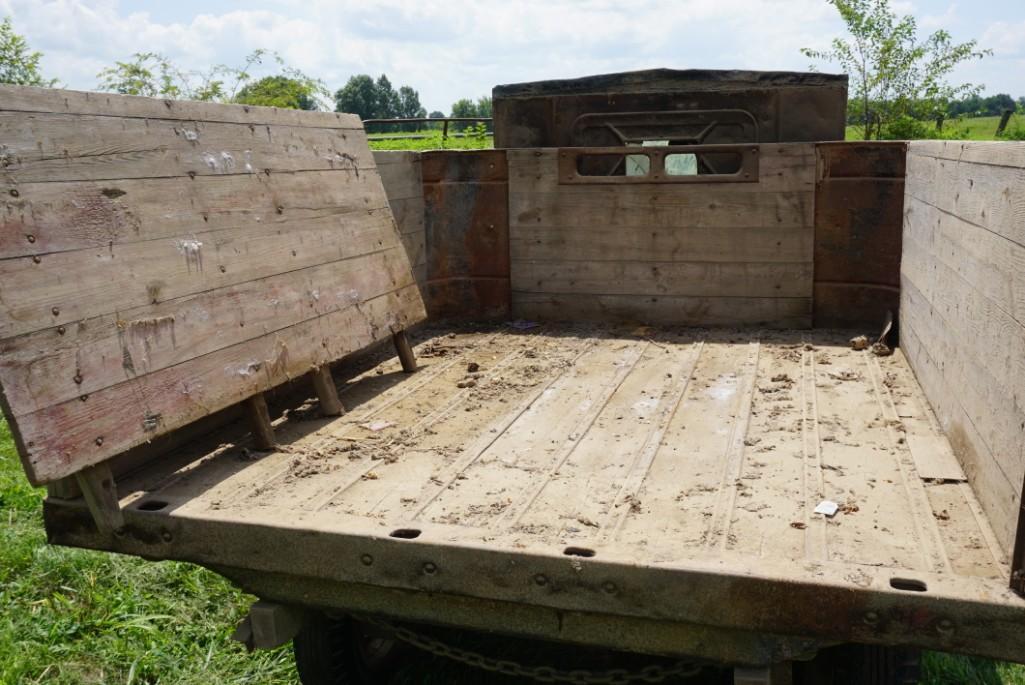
[433,142]
[967,128]
[75,617]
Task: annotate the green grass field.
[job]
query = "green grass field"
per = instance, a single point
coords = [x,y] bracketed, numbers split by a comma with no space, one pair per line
[78,617]
[975,128]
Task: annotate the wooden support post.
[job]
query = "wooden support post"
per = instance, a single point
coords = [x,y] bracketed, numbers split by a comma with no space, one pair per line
[327,393]
[404,351]
[97,484]
[65,488]
[259,418]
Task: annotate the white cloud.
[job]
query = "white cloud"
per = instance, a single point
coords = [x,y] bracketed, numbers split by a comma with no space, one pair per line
[445,48]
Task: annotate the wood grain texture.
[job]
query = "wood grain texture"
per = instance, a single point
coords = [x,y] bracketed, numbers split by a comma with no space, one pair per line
[55,101]
[64,147]
[161,261]
[963,308]
[703,254]
[401,175]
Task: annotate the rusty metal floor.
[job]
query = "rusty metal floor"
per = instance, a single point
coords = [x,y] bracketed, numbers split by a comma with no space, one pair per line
[656,446]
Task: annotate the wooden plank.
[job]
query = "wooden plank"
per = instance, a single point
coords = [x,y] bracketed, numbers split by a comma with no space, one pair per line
[58,217]
[400,173]
[623,277]
[695,244]
[933,457]
[984,195]
[664,207]
[993,153]
[69,147]
[162,261]
[65,437]
[996,494]
[49,100]
[771,312]
[94,353]
[67,287]
[980,329]
[985,261]
[707,254]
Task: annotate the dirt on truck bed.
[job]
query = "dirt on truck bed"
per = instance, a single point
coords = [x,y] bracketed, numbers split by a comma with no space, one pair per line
[658,445]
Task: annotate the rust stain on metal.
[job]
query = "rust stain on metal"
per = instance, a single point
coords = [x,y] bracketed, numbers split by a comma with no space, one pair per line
[467,226]
[859,205]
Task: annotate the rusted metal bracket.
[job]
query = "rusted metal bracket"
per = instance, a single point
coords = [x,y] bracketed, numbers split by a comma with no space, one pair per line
[570,164]
[100,492]
[259,419]
[404,351]
[327,393]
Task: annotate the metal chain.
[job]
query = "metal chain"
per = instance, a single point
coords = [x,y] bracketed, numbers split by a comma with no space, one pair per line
[543,674]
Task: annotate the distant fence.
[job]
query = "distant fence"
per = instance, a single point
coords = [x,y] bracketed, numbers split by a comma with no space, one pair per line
[444,121]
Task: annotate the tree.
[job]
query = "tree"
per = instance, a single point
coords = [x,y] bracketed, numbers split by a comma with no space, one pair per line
[358,96]
[463,107]
[149,74]
[278,91]
[154,75]
[387,99]
[484,106]
[895,75]
[18,63]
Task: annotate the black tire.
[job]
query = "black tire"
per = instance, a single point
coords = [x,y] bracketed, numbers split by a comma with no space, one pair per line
[861,665]
[341,651]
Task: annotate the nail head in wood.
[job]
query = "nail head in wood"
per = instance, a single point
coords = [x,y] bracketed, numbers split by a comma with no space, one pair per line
[327,393]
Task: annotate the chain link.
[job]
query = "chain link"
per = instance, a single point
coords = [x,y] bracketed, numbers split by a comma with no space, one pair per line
[543,674]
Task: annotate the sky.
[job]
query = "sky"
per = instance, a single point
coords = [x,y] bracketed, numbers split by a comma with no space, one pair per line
[448,49]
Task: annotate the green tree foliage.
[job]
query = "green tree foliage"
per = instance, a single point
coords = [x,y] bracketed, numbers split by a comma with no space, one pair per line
[975,106]
[154,75]
[895,75]
[358,96]
[484,106]
[279,91]
[149,74]
[379,100]
[19,64]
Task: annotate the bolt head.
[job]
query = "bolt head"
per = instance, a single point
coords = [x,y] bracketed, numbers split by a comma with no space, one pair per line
[366,560]
[429,568]
[541,579]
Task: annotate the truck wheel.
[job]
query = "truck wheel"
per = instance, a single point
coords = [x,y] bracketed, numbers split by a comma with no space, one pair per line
[860,665]
[341,651]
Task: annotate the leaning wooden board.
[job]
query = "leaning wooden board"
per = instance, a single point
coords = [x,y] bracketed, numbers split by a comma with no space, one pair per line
[161,260]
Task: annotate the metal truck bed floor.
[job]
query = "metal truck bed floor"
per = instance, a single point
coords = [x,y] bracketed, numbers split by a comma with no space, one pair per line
[668,445]
[635,452]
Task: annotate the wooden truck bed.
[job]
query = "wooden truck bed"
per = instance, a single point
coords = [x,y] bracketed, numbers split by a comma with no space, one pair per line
[631,468]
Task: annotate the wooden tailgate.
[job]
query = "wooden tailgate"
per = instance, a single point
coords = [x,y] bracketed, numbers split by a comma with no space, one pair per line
[161,260]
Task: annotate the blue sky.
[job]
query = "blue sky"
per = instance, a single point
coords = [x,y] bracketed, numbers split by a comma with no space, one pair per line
[448,49]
